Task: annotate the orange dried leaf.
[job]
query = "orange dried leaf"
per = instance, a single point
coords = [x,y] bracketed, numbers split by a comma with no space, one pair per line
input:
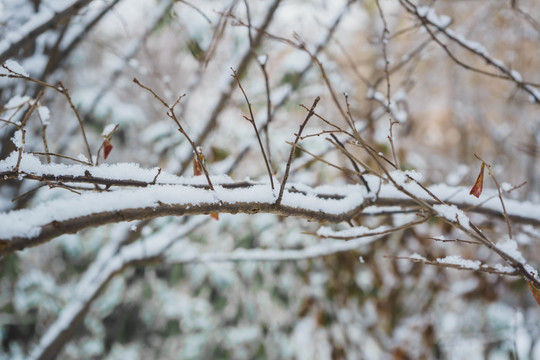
[214,216]
[478,185]
[197,170]
[107,147]
[535,293]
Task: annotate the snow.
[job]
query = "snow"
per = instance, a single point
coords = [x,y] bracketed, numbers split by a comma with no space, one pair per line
[510,247]
[17,139]
[531,270]
[17,101]
[471,45]
[27,222]
[516,75]
[440,21]
[504,268]
[308,252]
[398,113]
[123,171]
[108,130]
[417,256]
[535,93]
[453,214]
[171,189]
[354,232]
[465,286]
[110,260]
[402,177]
[459,261]
[262,59]
[14,67]
[44,114]
[82,157]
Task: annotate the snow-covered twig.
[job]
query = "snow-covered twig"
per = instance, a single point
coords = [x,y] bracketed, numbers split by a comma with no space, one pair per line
[456,262]
[309,252]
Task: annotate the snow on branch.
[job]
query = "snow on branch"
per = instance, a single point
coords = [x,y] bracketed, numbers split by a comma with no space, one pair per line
[313,251]
[457,262]
[151,197]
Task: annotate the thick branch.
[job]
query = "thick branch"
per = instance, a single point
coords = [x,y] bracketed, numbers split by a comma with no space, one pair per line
[30,227]
[48,221]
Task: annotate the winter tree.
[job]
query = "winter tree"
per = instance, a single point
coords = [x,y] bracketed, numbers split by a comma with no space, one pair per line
[274,179]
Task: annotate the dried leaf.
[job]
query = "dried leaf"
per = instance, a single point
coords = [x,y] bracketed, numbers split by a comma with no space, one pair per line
[535,293]
[479,184]
[214,216]
[107,147]
[197,169]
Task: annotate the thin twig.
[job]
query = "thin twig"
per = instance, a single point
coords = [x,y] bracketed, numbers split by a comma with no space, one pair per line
[354,164]
[172,115]
[300,44]
[248,16]
[288,167]
[435,197]
[28,192]
[507,74]
[391,140]
[107,137]
[490,172]
[251,119]
[372,232]
[384,38]
[456,240]
[136,81]
[49,154]
[483,268]
[348,154]
[65,91]
[318,134]
[155,177]
[339,129]
[197,10]
[23,130]
[266,127]
[321,159]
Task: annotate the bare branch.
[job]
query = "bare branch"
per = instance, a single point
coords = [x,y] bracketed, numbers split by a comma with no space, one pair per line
[288,166]
[251,119]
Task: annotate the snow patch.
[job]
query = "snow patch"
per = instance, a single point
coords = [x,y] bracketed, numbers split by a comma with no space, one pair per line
[459,261]
[14,67]
[453,214]
[510,247]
